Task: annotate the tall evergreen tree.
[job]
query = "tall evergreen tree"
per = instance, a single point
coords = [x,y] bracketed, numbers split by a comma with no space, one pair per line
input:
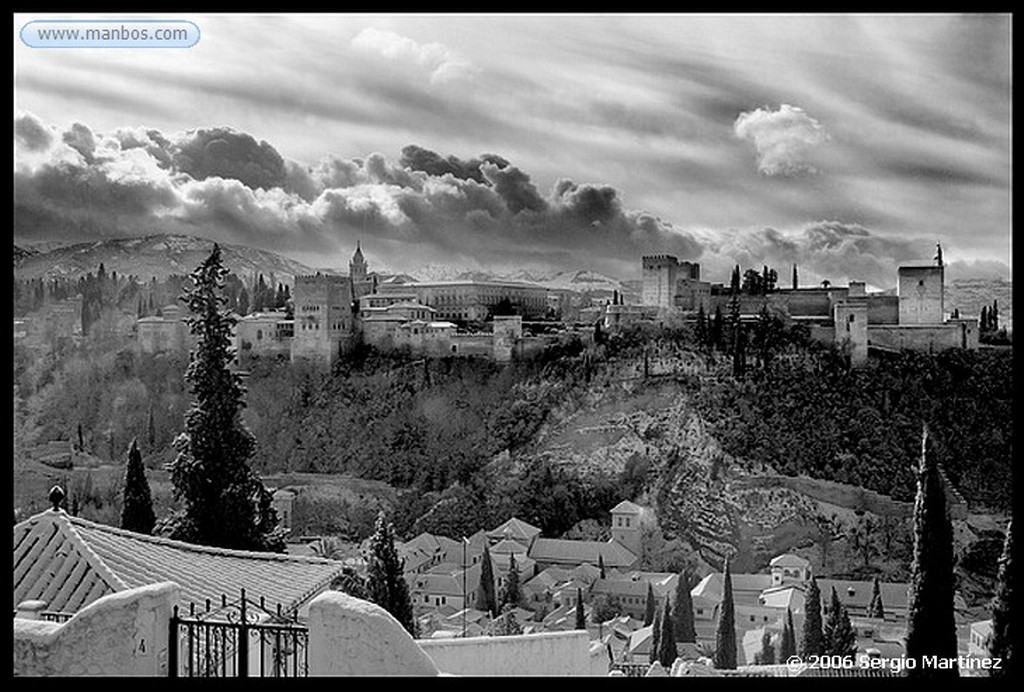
[151,428]
[876,609]
[787,645]
[225,503]
[795,284]
[993,315]
[486,600]
[725,634]
[600,566]
[655,636]
[983,322]
[717,328]
[511,593]
[766,656]
[581,617]
[837,635]
[701,330]
[931,627]
[137,506]
[81,439]
[810,638]
[683,605]
[667,650]
[650,606]
[1000,644]
[385,583]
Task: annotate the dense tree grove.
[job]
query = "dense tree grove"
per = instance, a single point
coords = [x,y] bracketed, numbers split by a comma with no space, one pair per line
[809,414]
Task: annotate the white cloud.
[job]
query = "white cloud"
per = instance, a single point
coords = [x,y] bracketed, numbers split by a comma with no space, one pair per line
[443,64]
[783,139]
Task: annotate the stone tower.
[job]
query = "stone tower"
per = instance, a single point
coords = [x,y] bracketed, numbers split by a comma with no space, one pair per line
[626,525]
[921,288]
[357,266]
[658,274]
[851,320]
[323,317]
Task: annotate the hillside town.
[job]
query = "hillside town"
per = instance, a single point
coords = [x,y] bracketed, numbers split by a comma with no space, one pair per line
[400,345]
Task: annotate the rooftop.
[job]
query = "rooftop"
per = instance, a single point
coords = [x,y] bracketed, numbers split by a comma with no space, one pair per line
[70,562]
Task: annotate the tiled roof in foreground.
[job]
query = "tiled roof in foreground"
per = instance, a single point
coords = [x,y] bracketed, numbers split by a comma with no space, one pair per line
[70,562]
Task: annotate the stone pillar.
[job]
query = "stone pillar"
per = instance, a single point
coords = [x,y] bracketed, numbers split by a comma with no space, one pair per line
[30,610]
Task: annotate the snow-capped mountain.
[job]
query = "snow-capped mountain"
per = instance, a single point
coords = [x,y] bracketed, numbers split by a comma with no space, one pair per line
[150,256]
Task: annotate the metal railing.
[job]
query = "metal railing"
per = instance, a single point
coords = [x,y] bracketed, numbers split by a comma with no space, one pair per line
[239,639]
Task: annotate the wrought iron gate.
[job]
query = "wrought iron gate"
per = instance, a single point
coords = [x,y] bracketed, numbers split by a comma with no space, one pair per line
[239,639]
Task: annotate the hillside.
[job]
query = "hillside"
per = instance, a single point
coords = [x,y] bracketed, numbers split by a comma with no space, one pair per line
[151,256]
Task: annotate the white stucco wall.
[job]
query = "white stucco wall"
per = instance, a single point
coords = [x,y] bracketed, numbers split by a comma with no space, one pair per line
[121,634]
[547,653]
[348,636]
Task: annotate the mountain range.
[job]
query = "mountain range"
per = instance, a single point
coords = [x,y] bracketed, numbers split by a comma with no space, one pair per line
[147,257]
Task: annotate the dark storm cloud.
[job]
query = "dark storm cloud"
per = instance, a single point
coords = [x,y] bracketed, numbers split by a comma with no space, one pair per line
[31,133]
[514,186]
[419,159]
[222,152]
[425,207]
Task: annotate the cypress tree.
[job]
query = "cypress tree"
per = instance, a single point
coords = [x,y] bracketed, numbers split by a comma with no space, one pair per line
[485,596]
[877,608]
[511,593]
[667,651]
[225,501]
[838,637]
[787,646]
[1000,644]
[137,506]
[810,638]
[683,615]
[717,327]
[581,617]
[600,565]
[725,634]
[931,627]
[385,583]
[766,656]
[651,606]
[655,636]
[983,322]
[701,331]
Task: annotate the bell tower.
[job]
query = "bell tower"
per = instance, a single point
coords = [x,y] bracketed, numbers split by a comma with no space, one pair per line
[357,266]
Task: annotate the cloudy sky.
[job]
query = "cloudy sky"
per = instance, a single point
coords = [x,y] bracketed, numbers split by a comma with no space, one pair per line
[842,143]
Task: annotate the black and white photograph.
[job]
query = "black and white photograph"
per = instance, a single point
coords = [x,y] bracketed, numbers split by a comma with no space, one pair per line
[512,345]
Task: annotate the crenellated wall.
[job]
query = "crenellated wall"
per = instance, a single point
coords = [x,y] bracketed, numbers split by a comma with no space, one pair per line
[123,634]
